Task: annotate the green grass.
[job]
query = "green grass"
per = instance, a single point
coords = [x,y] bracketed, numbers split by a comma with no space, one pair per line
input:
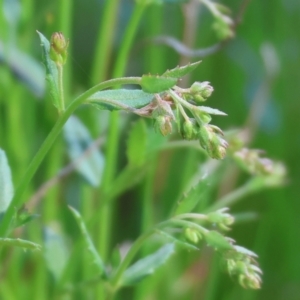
[110,39]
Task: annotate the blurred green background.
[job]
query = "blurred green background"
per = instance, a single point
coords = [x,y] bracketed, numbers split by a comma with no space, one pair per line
[255,74]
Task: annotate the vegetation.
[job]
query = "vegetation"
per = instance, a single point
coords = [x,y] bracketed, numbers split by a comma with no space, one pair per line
[126,189]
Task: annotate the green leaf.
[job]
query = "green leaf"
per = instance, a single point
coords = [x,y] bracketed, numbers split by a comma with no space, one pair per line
[56,252]
[121,99]
[157,84]
[20,243]
[192,198]
[147,266]
[51,70]
[88,242]
[211,111]
[245,251]
[6,185]
[217,240]
[89,163]
[137,143]
[179,72]
[177,241]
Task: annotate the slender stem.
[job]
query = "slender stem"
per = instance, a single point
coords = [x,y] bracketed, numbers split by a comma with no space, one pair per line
[191,216]
[105,40]
[36,161]
[139,242]
[61,88]
[128,258]
[113,134]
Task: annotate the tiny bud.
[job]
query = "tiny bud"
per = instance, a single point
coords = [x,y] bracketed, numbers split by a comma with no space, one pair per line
[223,26]
[192,235]
[163,124]
[201,90]
[58,48]
[189,130]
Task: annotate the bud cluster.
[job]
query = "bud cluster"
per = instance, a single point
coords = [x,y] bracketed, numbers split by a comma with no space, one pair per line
[252,162]
[244,268]
[221,218]
[211,140]
[197,127]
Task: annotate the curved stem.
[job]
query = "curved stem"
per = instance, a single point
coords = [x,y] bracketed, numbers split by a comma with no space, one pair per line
[38,158]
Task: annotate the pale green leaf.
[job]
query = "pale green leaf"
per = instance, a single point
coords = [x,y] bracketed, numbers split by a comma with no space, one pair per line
[217,240]
[97,260]
[190,200]
[51,70]
[121,99]
[157,84]
[179,72]
[56,253]
[211,111]
[175,240]
[89,163]
[6,185]
[147,266]
[137,143]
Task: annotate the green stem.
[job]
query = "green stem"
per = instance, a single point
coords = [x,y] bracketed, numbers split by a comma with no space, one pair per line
[113,134]
[105,40]
[61,88]
[128,258]
[18,200]
[139,242]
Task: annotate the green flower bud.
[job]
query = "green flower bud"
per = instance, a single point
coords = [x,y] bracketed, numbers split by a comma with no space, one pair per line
[210,141]
[200,91]
[192,235]
[189,130]
[163,124]
[221,218]
[223,26]
[58,48]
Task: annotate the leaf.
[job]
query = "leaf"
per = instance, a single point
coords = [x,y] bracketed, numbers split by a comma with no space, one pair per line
[157,84]
[177,241]
[190,201]
[211,111]
[6,185]
[56,253]
[179,72]
[89,163]
[147,266]
[137,143]
[217,240]
[20,243]
[245,251]
[120,99]
[88,242]
[51,70]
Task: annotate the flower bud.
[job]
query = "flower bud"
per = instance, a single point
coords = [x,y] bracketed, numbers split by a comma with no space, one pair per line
[163,124]
[192,235]
[58,48]
[221,218]
[189,130]
[201,91]
[223,26]
[210,141]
